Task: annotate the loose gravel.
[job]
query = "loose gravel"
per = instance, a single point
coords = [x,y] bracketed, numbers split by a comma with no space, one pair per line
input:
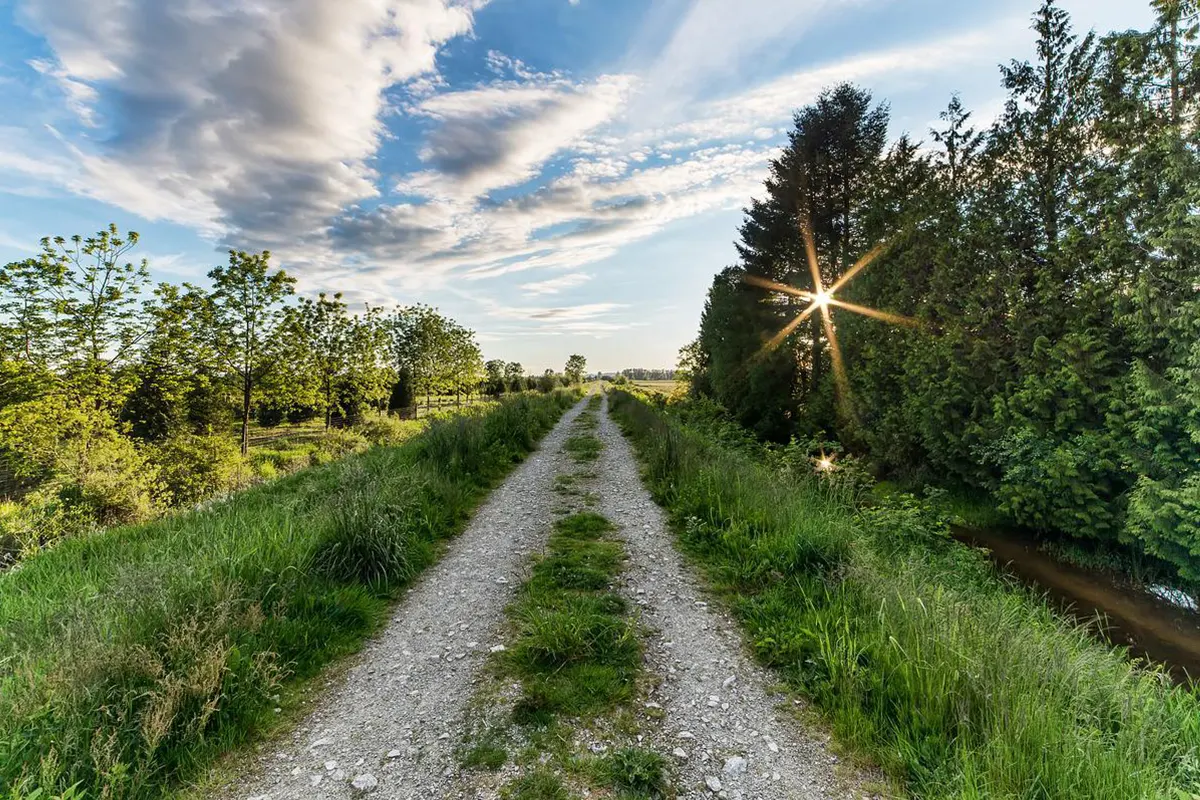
[390,725]
[729,736]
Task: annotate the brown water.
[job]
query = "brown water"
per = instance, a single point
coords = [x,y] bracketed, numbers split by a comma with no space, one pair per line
[1152,628]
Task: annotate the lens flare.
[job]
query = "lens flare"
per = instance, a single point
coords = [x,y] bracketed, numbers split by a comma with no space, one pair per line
[821,298]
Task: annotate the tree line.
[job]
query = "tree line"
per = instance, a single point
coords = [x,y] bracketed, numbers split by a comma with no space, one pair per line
[639,374]
[115,392]
[1038,278]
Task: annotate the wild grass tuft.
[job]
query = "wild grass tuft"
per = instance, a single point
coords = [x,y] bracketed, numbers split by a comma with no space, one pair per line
[130,658]
[959,684]
[575,652]
[540,784]
[635,773]
[583,447]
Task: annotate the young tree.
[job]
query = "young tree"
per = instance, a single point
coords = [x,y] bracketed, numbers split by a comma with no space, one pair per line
[419,343]
[514,376]
[575,369]
[178,374]
[245,308]
[495,383]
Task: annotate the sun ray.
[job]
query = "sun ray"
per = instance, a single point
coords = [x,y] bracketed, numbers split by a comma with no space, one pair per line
[788,329]
[810,251]
[875,313]
[859,266]
[840,377]
[770,285]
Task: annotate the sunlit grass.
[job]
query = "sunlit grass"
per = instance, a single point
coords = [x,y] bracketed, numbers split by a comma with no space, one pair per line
[130,658]
[958,684]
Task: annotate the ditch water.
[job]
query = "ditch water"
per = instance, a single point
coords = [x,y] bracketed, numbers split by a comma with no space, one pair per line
[1163,627]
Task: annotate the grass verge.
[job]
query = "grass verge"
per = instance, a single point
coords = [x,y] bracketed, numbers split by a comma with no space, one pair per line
[577,656]
[129,659]
[575,652]
[955,682]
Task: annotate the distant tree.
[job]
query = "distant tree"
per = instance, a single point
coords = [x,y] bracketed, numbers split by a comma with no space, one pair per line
[514,376]
[575,369]
[463,361]
[245,308]
[495,383]
[548,382]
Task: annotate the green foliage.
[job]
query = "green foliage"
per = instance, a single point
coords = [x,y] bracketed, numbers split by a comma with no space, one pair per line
[194,468]
[958,684]
[132,657]
[1047,266]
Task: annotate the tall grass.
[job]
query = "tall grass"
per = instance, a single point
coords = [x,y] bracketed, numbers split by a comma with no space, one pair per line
[959,684]
[130,658]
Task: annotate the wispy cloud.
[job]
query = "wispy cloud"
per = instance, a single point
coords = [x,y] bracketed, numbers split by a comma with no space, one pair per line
[556,285]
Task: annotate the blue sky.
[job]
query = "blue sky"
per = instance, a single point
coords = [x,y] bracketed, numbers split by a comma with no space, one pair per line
[560,175]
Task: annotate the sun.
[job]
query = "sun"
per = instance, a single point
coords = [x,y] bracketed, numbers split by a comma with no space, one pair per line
[822,298]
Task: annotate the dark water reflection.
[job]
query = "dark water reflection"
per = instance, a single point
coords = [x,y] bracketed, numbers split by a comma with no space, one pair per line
[1150,626]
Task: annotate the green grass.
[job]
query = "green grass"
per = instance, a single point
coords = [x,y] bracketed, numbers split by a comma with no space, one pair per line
[583,447]
[575,651]
[958,684]
[635,773]
[128,660]
[538,785]
[488,752]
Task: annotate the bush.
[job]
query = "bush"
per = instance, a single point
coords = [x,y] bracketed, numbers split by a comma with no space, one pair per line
[379,430]
[271,416]
[194,468]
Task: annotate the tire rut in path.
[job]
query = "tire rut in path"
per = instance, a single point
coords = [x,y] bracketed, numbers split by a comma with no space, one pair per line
[715,701]
[392,722]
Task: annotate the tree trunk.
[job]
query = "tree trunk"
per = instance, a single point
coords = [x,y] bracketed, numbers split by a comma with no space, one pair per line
[816,353]
[247,386]
[328,406]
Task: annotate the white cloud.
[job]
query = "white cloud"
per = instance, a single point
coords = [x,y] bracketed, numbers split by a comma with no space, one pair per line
[501,135]
[260,124]
[257,121]
[556,285]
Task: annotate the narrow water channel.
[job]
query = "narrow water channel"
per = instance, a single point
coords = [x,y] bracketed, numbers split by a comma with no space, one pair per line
[1151,627]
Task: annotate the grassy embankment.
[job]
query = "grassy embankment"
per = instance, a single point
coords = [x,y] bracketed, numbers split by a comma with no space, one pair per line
[131,658]
[958,684]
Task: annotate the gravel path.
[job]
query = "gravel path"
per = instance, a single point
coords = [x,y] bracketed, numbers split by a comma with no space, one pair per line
[721,724]
[390,724]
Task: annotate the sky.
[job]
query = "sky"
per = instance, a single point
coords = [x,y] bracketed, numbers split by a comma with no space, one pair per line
[561,176]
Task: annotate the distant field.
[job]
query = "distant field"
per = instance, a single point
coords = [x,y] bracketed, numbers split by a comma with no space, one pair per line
[663,387]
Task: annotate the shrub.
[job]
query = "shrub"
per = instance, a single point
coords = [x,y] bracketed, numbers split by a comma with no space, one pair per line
[194,468]
[379,430]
